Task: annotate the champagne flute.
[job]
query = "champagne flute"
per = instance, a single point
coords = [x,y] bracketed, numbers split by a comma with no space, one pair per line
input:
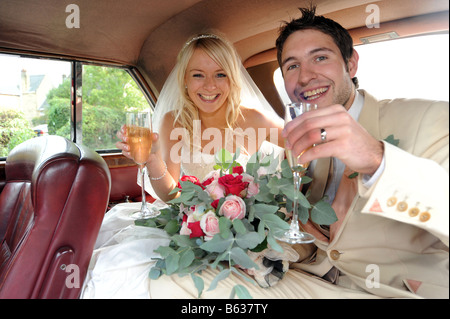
[294,235]
[139,132]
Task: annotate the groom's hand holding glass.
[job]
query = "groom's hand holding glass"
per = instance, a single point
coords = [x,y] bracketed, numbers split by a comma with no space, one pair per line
[294,235]
[334,133]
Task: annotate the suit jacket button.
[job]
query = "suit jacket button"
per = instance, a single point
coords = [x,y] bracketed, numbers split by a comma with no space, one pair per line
[402,206]
[423,217]
[391,201]
[334,254]
[413,212]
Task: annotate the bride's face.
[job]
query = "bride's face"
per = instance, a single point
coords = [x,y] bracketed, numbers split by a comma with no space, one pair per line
[207,83]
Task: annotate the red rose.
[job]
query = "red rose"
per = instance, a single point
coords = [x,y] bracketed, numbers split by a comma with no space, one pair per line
[196,230]
[208,181]
[234,185]
[188,178]
[215,203]
[238,170]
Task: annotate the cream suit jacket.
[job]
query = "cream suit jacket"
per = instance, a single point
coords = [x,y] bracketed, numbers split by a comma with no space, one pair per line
[383,248]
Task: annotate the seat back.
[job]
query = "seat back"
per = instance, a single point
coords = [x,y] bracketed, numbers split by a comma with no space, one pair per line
[51,209]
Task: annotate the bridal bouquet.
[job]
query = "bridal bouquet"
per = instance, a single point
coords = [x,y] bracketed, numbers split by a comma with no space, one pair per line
[229,216]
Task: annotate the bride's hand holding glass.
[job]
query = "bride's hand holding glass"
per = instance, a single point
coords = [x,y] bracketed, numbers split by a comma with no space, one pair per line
[123,145]
[137,139]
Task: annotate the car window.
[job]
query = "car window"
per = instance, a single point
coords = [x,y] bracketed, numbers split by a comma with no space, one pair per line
[416,67]
[35,100]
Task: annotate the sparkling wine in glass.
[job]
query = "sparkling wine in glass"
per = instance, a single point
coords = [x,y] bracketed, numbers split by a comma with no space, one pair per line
[294,235]
[139,132]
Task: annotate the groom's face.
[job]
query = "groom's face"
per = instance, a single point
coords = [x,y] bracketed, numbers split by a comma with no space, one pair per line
[314,70]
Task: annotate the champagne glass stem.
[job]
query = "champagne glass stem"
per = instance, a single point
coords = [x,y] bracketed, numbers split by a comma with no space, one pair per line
[294,228]
[144,208]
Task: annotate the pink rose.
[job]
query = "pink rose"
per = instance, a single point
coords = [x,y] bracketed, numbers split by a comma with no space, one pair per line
[215,190]
[253,188]
[210,225]
[233,207]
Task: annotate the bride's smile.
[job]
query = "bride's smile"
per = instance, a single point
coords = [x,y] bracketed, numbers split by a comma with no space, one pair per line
[207,84]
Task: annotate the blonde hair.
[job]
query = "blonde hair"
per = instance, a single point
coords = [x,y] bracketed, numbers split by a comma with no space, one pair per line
[224,54]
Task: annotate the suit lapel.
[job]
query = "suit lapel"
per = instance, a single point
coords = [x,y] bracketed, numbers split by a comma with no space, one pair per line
[370,115]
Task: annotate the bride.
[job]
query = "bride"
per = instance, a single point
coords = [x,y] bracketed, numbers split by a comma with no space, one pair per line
[208,102]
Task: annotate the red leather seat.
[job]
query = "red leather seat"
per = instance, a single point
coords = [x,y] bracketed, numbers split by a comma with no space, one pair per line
[124,185]
[51,209]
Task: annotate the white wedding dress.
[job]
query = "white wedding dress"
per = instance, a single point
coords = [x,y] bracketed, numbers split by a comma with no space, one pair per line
[123,253]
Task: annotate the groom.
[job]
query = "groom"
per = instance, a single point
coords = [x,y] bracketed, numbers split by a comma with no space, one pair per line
[391,199]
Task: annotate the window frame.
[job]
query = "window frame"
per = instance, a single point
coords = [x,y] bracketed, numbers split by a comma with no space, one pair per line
[76,107]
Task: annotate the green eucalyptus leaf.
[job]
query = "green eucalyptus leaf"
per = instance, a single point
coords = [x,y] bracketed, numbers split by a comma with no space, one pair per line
[220,276]
[273,243]
[186,258]
[185,197]
[241,292]
[155,273]
[323,214]
[172,263]
[306,179]
[224,227]
[239,227]
[260,247]
[224,256]
[303,214]
[199,283]
[264,209]
[248,240]
[165,251]
[183,241]
[172,227]
[240,257]
[273,222]
[286,171]
[265,194]
[218,244]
